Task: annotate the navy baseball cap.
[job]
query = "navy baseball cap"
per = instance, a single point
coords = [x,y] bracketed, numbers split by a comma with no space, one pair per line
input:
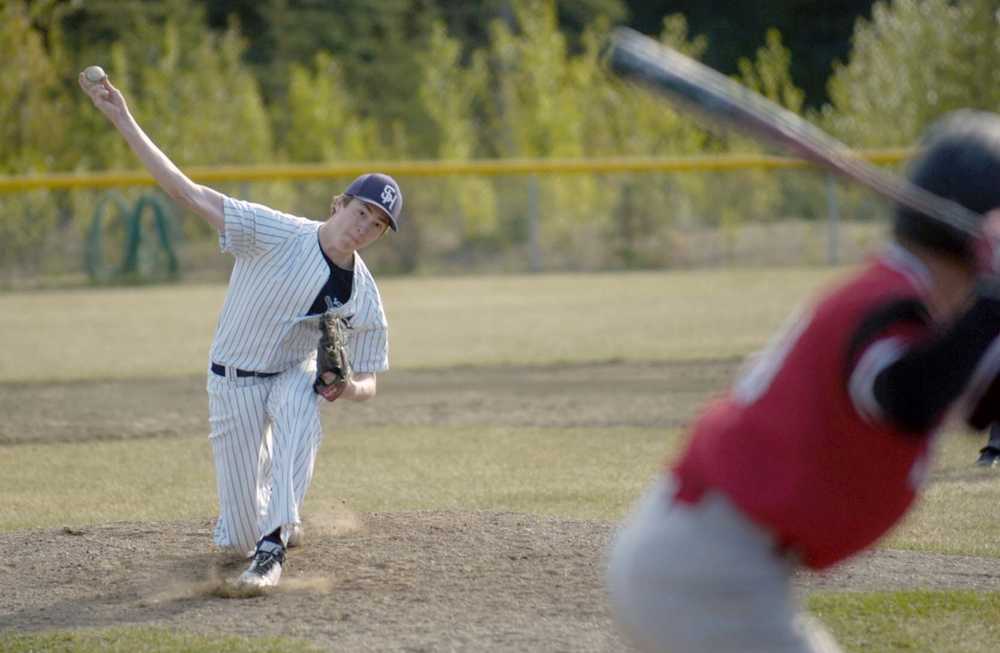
[381,191]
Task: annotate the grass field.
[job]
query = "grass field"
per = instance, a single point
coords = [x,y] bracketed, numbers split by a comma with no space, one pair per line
[166,330]
[490,460]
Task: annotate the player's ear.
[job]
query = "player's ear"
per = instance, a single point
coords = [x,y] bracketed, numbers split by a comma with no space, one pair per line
[338,202]
[991,223]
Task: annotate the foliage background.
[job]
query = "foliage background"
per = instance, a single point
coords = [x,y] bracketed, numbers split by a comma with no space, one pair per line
[239,82]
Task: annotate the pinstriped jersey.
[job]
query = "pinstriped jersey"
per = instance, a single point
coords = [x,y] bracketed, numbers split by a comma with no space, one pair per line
[279,270]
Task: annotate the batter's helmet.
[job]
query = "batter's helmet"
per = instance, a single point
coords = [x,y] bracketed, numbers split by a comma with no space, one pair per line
[959,159]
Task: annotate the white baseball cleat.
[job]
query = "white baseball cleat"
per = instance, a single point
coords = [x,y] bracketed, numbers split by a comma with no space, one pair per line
[295,532]
[265,568]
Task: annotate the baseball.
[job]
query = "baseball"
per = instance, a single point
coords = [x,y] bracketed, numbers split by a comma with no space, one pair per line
[94,74]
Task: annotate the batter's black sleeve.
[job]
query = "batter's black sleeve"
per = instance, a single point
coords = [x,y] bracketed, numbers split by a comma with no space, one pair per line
[915,390]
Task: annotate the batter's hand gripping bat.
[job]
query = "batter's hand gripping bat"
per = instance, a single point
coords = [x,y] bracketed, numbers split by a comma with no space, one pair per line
[697,88]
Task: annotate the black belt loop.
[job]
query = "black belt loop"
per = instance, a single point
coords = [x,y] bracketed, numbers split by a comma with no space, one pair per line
[220,370]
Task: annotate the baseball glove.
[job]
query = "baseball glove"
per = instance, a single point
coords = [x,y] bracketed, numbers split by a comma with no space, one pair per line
[333,367]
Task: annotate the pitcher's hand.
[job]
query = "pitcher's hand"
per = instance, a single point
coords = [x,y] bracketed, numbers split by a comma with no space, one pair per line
[105,97]
[331,391]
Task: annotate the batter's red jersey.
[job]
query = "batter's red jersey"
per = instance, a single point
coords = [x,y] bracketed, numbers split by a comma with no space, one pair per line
[787,443]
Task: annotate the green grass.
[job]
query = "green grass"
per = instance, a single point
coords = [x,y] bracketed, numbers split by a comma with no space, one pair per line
[144,640]
[877,622]
[957,513]
[591,473]
[166,331]
[955,518]
[97,482]
[574,472]
[915,621]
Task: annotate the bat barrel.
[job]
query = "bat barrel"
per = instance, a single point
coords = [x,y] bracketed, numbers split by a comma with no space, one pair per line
[696,88]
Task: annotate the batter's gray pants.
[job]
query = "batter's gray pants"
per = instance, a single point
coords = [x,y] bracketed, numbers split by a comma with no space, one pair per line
[702,578]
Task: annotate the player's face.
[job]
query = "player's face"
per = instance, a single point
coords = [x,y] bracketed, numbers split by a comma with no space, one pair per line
[950,296]
[357,224]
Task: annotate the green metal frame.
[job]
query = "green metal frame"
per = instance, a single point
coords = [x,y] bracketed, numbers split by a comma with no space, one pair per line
[131,218]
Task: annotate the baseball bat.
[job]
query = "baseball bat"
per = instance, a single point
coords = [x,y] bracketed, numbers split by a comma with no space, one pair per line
[694,87]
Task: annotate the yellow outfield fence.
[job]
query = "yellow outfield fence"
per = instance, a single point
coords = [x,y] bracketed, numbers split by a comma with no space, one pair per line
[484,215]
[431,168]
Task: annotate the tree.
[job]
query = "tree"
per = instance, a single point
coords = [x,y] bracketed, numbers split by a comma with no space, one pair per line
[770,74]
[817,32]
[913,61]
[33,134]
[32,101]
[321,121]
[622,120]
[450,93]
[537,110]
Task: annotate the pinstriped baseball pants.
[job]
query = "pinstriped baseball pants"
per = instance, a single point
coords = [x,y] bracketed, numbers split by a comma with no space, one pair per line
[265,435]
[703,578]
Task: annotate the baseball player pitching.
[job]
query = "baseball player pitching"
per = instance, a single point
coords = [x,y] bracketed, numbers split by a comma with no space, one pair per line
[822,445]
[291,275]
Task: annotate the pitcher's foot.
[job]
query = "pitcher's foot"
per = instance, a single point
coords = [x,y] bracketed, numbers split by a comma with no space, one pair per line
[265,568]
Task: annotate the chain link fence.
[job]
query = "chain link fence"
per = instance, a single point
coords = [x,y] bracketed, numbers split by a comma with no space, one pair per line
[709,212]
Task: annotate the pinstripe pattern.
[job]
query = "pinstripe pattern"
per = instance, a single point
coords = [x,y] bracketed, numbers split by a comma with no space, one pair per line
[240,429]
[279,270]
[297,434]
[266,431]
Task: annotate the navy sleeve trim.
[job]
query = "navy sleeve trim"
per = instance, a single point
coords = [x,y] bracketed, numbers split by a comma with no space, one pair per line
[900,311]
[916,390]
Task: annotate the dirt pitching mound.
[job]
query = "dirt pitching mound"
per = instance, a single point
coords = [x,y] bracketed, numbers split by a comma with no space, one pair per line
[384,581]
[400,581]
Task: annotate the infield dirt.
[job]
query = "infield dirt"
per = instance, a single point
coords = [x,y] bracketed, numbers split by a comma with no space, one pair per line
[402,581]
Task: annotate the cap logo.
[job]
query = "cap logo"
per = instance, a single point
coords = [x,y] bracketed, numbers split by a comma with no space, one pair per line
[388,196]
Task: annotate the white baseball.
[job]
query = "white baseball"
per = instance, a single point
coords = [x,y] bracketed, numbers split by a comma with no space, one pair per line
[94,74]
